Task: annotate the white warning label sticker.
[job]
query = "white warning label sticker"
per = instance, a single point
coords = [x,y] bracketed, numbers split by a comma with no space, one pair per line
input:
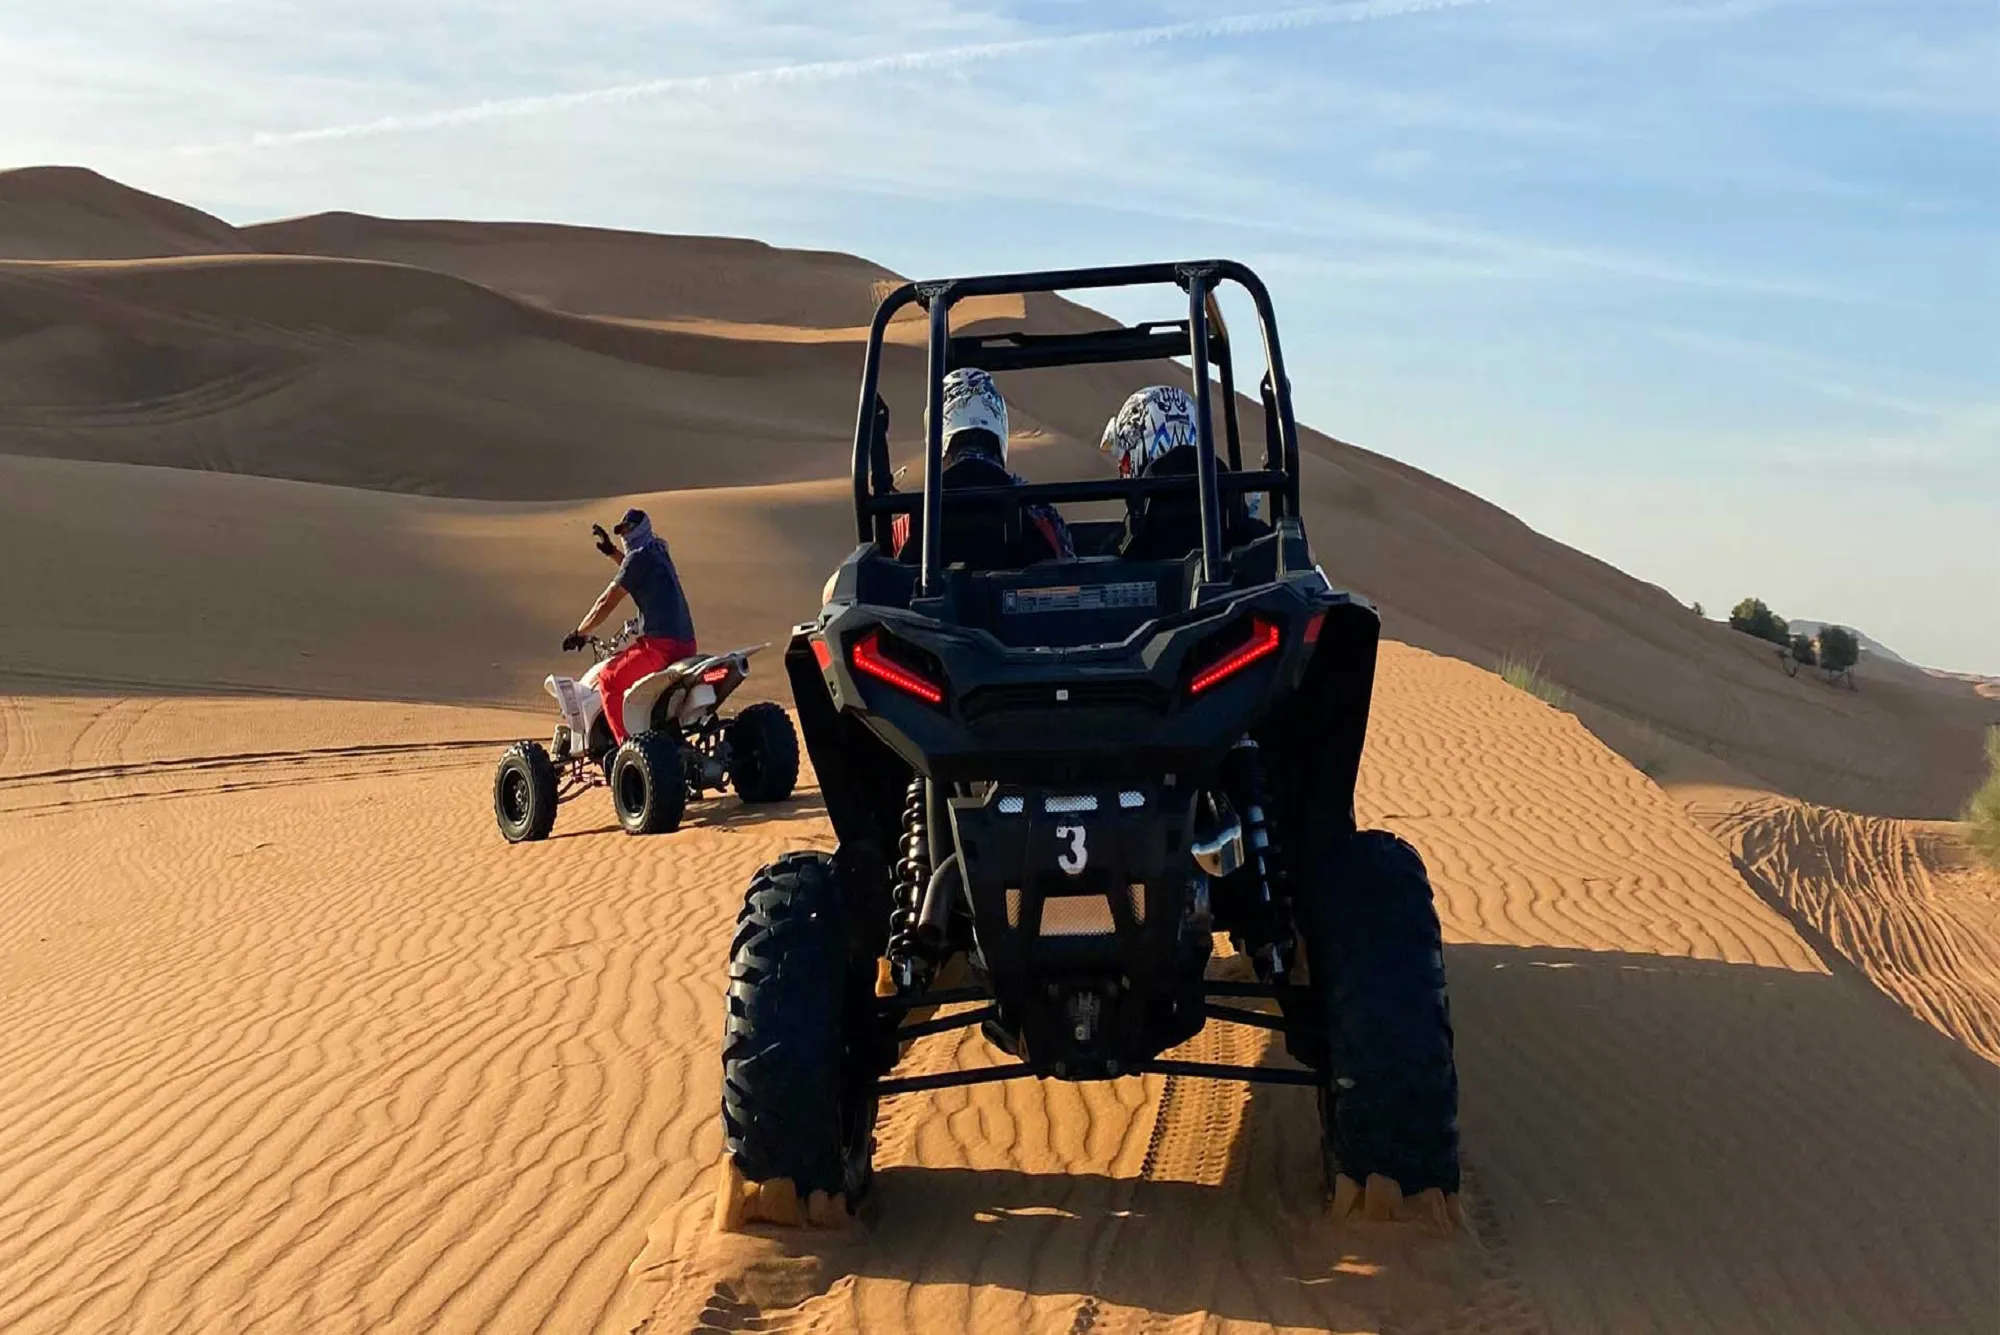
[1080,597]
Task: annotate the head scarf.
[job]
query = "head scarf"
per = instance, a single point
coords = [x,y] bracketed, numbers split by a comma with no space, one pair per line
[636,530]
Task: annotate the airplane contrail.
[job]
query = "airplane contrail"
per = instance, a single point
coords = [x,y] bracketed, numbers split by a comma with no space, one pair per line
[828,71]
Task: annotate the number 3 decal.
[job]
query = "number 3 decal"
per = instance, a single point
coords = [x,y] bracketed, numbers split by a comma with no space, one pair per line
[1077,857]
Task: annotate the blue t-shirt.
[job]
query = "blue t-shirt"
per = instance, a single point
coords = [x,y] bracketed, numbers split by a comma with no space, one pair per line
[648,575]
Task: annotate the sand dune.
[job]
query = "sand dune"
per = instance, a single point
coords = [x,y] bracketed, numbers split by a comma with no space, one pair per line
[127,578]
[1658,1073]
[597,271]
[72,213]
[547,412]
[732,364]
[294,1042]
[391,378]
[297,1043]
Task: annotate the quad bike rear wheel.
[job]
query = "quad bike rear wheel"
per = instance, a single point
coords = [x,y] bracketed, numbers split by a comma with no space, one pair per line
[763,754]
[524,793]
[797,1076]
[648,788]
[1389,1105]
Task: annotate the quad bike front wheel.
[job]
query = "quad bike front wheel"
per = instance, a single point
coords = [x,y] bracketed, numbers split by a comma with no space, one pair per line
[798,1098]
[524,793]
[763,754]
[648,787]
[1375,954]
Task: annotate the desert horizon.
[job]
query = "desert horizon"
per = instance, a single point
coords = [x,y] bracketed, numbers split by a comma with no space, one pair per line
[293,517]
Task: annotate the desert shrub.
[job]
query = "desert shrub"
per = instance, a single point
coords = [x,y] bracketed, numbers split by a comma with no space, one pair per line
[1802,649]
[1982,814]
[1525,674]
[1696,608]
[1752,617]
[1838,649]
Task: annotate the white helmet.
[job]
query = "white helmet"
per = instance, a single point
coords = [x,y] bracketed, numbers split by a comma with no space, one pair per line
[972,402]
[1156,419]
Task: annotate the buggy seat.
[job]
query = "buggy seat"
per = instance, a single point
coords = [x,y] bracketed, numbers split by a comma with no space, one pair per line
[984,535]
[1167,526]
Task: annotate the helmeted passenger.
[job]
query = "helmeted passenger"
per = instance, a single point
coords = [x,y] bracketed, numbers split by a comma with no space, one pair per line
[975,455]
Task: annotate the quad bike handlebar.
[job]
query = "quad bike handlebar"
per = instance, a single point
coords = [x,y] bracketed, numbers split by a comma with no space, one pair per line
[602,649]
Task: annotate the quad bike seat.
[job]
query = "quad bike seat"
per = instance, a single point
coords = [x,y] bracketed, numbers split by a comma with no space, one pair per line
[678,671]
[675,675]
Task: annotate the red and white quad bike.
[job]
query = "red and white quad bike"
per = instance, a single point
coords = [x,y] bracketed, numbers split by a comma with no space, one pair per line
[678,747]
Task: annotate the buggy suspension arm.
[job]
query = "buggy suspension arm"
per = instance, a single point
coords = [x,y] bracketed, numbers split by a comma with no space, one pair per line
[986,1075]
[946,996]
[946,1023]
[913,1084]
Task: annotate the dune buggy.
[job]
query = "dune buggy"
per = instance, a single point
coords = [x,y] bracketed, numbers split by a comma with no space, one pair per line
[1061,779]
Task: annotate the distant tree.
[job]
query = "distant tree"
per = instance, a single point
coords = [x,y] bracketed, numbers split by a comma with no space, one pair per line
[1697,609]
[1752,617]
[1982,814]
[1802,649]
[1838,649]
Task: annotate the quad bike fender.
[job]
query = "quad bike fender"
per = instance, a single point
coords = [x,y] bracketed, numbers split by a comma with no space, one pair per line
[699,700]
[577,702]
[645,695]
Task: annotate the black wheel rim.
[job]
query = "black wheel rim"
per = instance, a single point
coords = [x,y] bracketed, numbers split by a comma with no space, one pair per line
[631,783]
[514,798]
[748,762]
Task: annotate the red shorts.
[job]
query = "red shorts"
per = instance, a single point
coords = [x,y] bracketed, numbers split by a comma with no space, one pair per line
[626,668]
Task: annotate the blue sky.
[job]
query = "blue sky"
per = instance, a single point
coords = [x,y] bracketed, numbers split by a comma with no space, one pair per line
[1709,288]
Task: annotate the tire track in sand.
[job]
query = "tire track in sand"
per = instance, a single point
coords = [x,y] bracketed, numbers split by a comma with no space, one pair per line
[1900,900]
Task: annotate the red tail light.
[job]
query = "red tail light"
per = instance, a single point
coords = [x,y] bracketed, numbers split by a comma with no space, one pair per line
[714,675]
[822,655]
[1312,627]
[870,661]
[1263,642]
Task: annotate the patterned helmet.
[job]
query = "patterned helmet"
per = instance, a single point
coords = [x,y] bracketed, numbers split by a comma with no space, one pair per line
[972,402]
[1153,421]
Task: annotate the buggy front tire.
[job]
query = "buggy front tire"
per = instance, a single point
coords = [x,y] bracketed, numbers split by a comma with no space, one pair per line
[763,753]
[648,786]
[524,793]
[1375,956]
[798,1100]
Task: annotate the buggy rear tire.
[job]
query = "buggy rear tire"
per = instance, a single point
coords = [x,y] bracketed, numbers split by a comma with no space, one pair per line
[798,1098]
[524,793]
[763,754]
[1375,956]
[648,787]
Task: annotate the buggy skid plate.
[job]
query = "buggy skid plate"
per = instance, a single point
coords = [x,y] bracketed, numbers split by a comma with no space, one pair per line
[1082,901]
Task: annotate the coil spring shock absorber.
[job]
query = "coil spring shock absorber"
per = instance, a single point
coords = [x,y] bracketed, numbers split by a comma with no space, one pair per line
[913,873]
[1260,837]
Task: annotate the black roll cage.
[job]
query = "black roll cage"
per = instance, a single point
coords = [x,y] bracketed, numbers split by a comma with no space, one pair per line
[876,503]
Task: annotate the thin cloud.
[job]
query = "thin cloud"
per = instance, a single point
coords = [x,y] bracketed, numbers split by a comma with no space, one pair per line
[830,71]
[1972,420]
